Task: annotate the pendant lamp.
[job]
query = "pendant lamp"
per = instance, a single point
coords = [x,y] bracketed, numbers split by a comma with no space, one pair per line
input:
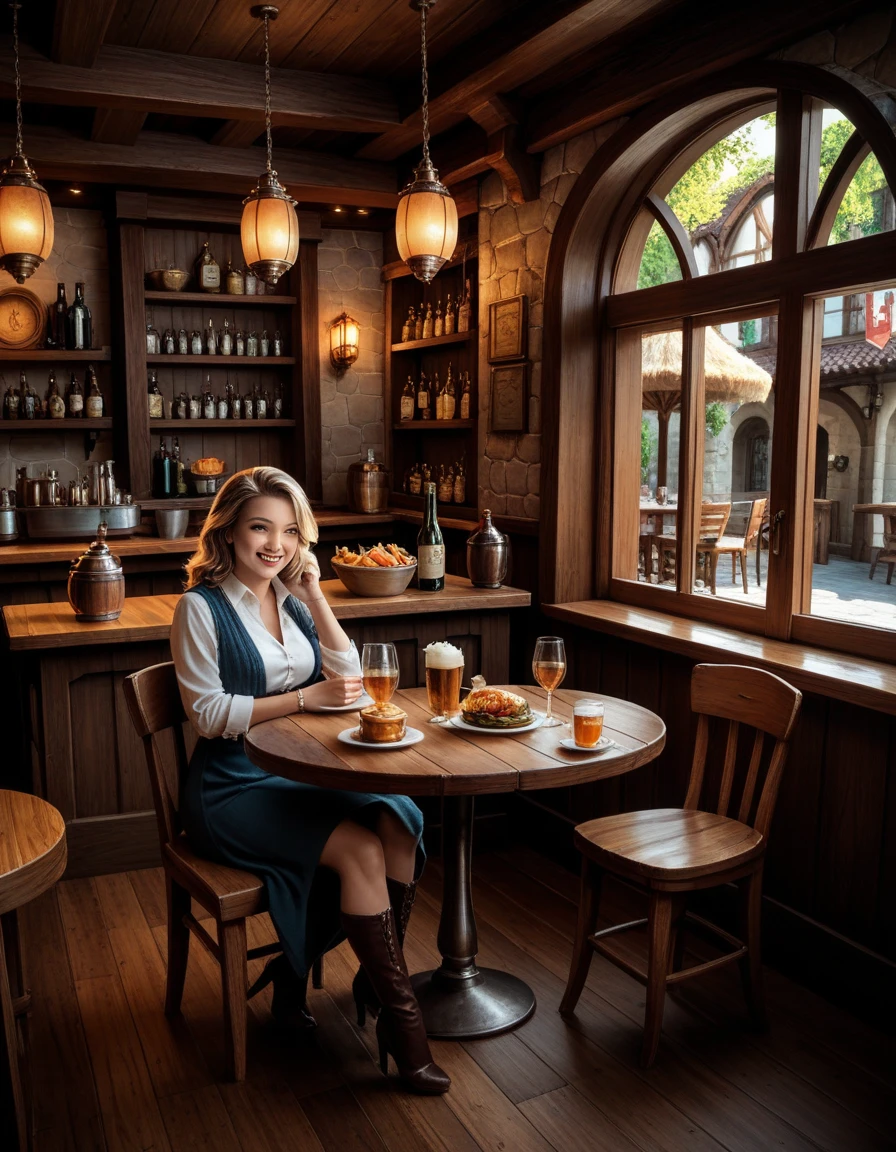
[26,219]
[269,228]
[426,219]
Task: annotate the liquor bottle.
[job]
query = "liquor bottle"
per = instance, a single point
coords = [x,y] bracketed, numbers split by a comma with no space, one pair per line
[422,396]
[409,327]
[211,339]
[153,340]
[11,403]
[418,326]
[278,343]
[195,342]
[156,405]
[446,483]
[234,281]
[438,328]
[252,344]
[60,318]
[415,481]
[169,342]
[29,399]
[226,339]
[449,317]
[460,485]
[181,406]
[239,343]
[183,342]
[430,547]
[463,311]
[408,401]
[429,407]
[264,344]
[75,398]
[80,327]
[94,404]
[55,403]
[208,271]
[222,405]
[179,479]
[439,390]
[278,401]
[208,400]
[261,404]
[449,401]
[195,407]
[465,398]
[162,472]
[236,404]
[427,323]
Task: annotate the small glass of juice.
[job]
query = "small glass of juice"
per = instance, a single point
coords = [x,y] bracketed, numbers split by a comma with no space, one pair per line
[587,722]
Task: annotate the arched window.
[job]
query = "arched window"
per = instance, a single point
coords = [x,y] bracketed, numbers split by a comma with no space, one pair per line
[749,296]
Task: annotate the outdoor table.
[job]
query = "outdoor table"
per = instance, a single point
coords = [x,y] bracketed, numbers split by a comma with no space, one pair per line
[459,1000]
[659,512]
[888,511]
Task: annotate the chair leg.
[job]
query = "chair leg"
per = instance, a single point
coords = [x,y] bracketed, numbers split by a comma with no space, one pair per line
[659,933]
[713,564]
[733,567]
[317,973]
[875,552]
[580,962]
[890,568]
[178,901]
[751,964]
[743,570]
[235,981]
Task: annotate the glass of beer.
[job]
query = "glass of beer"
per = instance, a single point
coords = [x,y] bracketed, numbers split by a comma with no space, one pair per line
[587,722]
[379,670]
[444,672]
[549,668]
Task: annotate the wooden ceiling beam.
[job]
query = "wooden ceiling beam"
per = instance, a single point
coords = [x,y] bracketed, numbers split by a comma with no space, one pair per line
[238,133]
[164,160]
[526,49]
[116,126]
[140,80]
[676,49]
[79,30]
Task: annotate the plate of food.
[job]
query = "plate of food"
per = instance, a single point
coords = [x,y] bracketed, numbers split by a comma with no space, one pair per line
[496,711]
[353,737]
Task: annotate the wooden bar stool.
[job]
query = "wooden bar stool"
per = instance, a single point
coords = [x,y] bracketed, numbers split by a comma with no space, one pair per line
[32,858]
[668,852]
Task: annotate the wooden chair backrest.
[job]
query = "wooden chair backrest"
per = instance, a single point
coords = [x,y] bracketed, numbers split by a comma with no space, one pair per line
[757,513]
[713,519]
[754,699]
[155,707]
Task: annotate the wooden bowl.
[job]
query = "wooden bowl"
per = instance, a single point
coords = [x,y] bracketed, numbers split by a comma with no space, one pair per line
[375,581]
[168,279]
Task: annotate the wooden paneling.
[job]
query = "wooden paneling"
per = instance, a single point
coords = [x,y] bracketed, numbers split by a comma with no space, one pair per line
[306,337]
[133,360]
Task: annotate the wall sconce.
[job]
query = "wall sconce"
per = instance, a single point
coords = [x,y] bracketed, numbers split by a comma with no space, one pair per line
[840,463]
[345,339]
[875,401]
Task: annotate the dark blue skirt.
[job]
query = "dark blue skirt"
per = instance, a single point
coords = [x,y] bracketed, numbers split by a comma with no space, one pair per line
[238,814]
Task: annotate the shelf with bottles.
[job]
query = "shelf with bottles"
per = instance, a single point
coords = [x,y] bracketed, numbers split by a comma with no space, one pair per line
[57,402]
[230,424]
[173,299]
[219,399]
[56,355]
[66,424]
[434,341]
[433,425]
[221,361]
[445,512]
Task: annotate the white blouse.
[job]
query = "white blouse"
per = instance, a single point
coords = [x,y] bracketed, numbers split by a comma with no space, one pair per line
[194,647]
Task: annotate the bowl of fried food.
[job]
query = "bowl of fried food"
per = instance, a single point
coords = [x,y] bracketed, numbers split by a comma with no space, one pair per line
[383,570]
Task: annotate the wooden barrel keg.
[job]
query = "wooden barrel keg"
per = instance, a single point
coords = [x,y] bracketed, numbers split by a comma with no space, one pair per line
[96,582]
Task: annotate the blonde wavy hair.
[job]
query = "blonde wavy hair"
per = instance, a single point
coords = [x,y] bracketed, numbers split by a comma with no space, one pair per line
[212,562]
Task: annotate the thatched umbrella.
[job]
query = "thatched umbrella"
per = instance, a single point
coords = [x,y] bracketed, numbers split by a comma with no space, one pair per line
[729,377]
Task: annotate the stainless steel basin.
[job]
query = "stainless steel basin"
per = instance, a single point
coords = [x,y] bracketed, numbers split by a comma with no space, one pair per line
[79,523]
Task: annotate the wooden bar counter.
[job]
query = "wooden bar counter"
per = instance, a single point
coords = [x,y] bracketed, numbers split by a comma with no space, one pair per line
[84,756]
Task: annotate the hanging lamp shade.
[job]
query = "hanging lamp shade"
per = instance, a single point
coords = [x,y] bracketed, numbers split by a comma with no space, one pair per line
[426,223]
[269,229]
[26,220]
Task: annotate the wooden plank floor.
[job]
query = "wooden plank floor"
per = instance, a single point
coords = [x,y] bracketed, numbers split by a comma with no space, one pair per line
[110,1072]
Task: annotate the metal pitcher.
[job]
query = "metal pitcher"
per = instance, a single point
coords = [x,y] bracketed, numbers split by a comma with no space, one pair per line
[487,553]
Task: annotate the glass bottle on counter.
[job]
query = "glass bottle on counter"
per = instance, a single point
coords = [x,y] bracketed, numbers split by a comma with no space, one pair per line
[183,342]
[11,403]
[250,282]
[156,404]
[211,339]
[208,400]
[465,398]
[226,339]
[208,271]
[408,401]
[153,340]
[29,399]
[262,404]
[80,325]
[94,403]
[55,403]
[75,399]
[430,547]
[195,342]
[162,472]
[60,318]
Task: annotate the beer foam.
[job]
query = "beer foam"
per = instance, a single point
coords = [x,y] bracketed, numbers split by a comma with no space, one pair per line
[441,654]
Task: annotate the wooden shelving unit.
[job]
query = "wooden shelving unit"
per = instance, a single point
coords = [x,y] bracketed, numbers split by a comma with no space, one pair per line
[220,298]
[215,425]
[434,341]
[57,355]
[236,362]
[103,424]
[432,425]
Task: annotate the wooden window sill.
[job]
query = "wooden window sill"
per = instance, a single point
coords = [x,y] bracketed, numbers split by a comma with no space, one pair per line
[867,683]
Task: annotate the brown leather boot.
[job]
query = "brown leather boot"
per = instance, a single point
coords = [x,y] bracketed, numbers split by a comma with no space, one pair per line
[401,899]
[399,1029]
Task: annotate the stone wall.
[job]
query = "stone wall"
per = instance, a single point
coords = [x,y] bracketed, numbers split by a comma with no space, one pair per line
[80,252]
[514,241]
[349,267]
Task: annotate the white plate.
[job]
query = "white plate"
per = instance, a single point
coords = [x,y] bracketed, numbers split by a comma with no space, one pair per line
[603,745]
[352,736]
[459,722]
[362,702]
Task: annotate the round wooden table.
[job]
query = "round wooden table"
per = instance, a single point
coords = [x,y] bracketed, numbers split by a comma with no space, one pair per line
[459,1000]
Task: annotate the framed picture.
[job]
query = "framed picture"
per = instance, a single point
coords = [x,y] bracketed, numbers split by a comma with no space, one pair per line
[507,330]
[509,409]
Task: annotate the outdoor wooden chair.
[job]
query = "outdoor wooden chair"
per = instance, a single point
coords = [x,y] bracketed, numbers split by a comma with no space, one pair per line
[713,519]
[887,554]
[668,852]
[737,546]
[228,894]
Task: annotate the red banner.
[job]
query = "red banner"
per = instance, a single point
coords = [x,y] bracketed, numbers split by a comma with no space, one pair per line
[878,322]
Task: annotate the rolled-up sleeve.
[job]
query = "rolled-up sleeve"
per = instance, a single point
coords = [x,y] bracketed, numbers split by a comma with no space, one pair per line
[194,648]
[340,663]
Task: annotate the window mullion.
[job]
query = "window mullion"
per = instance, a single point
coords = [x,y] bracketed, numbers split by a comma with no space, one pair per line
[690,474]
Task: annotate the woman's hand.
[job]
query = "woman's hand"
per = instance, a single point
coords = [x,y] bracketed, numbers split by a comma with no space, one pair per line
[307,586]
[332,693]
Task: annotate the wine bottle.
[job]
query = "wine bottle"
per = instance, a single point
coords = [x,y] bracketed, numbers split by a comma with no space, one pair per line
[60,318]
[430,547]
[156,404]
[162,472]
[55,403]
[94,402]
[80,327]
[75,403]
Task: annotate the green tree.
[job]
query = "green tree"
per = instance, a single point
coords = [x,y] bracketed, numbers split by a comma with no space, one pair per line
[858,205]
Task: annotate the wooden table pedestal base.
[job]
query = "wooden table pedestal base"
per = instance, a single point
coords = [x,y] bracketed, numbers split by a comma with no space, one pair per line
[460,1001]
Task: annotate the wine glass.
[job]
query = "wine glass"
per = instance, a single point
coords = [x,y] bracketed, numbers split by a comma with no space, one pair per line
[549,668]
[379,669]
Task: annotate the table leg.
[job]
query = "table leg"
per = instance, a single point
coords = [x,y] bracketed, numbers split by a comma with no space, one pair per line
[460,1001]
[13,1124]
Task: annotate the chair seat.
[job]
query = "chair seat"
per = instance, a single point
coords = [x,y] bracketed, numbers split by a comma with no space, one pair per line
[668,843]
[228,893]
[730,544]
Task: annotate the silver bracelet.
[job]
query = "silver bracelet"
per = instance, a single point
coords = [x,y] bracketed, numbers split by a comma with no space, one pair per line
[300,699]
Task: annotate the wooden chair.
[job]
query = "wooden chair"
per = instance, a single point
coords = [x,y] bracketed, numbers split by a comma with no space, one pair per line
[887,554]
[228,894]
[32,858]
[669,852]
[713,519]
[737,546]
